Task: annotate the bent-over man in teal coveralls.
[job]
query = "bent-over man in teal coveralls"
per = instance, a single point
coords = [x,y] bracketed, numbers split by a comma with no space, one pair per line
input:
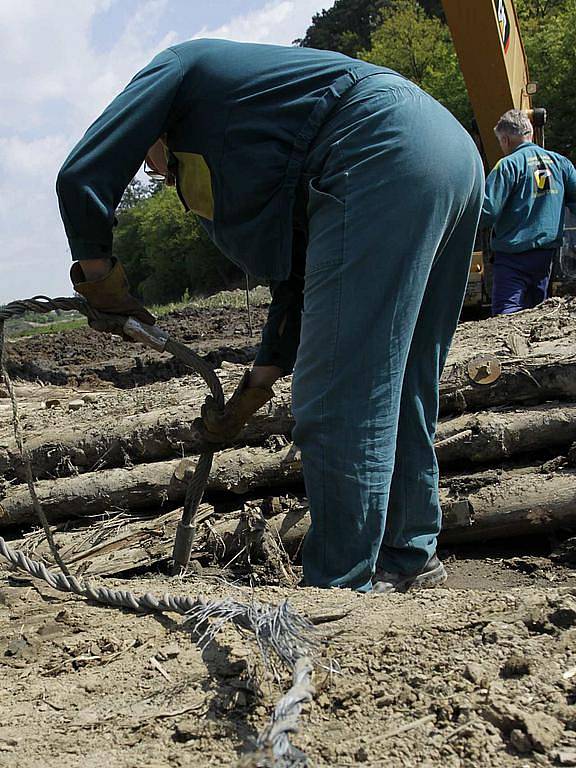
[357,195]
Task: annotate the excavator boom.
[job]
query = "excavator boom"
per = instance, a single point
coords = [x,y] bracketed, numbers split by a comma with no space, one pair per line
[487,39]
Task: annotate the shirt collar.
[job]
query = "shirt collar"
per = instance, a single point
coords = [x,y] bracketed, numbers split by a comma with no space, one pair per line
[524,145]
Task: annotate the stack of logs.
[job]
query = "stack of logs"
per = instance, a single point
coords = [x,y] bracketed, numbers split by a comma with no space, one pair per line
[506,447]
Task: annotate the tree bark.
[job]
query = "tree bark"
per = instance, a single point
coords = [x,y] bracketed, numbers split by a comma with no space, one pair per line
[159,434]
[149,486]
[530,380]
[493,436]
[475,439]
[488,504]
[507,505]
[536,349]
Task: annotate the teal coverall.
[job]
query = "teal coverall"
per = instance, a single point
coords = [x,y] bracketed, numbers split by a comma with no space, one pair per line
[525,198]
[305,161]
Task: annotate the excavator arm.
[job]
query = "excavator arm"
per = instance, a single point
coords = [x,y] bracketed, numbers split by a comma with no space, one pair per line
[488,43]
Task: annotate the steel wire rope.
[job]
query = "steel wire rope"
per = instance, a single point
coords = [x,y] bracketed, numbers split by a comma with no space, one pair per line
[159,340]
[277,629]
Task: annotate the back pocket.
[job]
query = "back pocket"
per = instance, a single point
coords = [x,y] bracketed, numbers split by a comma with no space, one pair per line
[326,228]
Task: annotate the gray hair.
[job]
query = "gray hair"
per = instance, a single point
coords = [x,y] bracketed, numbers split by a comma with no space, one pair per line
[514,123]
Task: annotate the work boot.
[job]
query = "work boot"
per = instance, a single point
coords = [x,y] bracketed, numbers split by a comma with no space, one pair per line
[432,575]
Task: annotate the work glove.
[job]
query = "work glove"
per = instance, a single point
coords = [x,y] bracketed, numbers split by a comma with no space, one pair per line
[111,294]
[222,426]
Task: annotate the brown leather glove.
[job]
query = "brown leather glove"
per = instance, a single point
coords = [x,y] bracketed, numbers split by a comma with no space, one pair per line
[219,426]
[110,294]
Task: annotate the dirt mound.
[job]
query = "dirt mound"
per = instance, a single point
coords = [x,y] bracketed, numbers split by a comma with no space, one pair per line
[450,679]
[85,357]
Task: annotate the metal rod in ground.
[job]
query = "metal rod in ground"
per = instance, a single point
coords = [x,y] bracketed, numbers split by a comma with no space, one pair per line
[159,340]
[248,306]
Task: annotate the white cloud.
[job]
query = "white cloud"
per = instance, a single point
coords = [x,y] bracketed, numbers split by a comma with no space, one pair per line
[53,84]
[278,21]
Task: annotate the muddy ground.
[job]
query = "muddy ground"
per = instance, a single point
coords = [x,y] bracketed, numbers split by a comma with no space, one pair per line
[83,357]
[479,673]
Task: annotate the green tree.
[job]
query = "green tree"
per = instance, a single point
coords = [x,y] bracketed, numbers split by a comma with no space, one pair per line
[166,252]
[538,9]
[136,192]
[549,34]
[345,27]
[419,46]
[348,25]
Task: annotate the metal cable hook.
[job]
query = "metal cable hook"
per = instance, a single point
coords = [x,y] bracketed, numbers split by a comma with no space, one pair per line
[158,339]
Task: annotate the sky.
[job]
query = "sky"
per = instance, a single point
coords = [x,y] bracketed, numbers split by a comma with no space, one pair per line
[61,63]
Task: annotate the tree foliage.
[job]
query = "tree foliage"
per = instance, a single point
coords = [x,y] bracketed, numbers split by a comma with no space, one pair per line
[345,27]
[549,34]
[348,25]
[166,251]
[419,46]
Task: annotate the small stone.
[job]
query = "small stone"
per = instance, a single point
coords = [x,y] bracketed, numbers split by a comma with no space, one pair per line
[169,651]
[553,465]
[543,730]
[361,755]
[90,398]
[186,730]
[16,647]
[504,715]
[476,673]
[516,665]
[520,741]
[502,633]
[566,552]
[52,403]
[564,613]
[565,756]
[75,405]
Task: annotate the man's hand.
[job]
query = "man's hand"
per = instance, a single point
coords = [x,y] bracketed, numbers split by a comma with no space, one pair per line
[107,291]
[253,391]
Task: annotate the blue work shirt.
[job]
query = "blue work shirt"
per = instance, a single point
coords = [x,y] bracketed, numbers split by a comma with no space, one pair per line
[239,119]
[525,196]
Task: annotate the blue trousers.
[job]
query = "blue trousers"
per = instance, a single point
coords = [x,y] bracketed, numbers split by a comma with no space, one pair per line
[394,199]
[520,280]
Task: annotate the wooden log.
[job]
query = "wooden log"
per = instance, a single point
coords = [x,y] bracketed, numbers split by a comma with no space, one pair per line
[530,380]
[149,486]
[510,504]
[148,437]
[536,349]
[476,438]
[489,504]
[507,505]
[493,436]
[480,438]
[481,507]
[169,432]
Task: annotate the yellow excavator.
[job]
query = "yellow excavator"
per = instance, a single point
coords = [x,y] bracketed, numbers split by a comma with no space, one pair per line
[487,39]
